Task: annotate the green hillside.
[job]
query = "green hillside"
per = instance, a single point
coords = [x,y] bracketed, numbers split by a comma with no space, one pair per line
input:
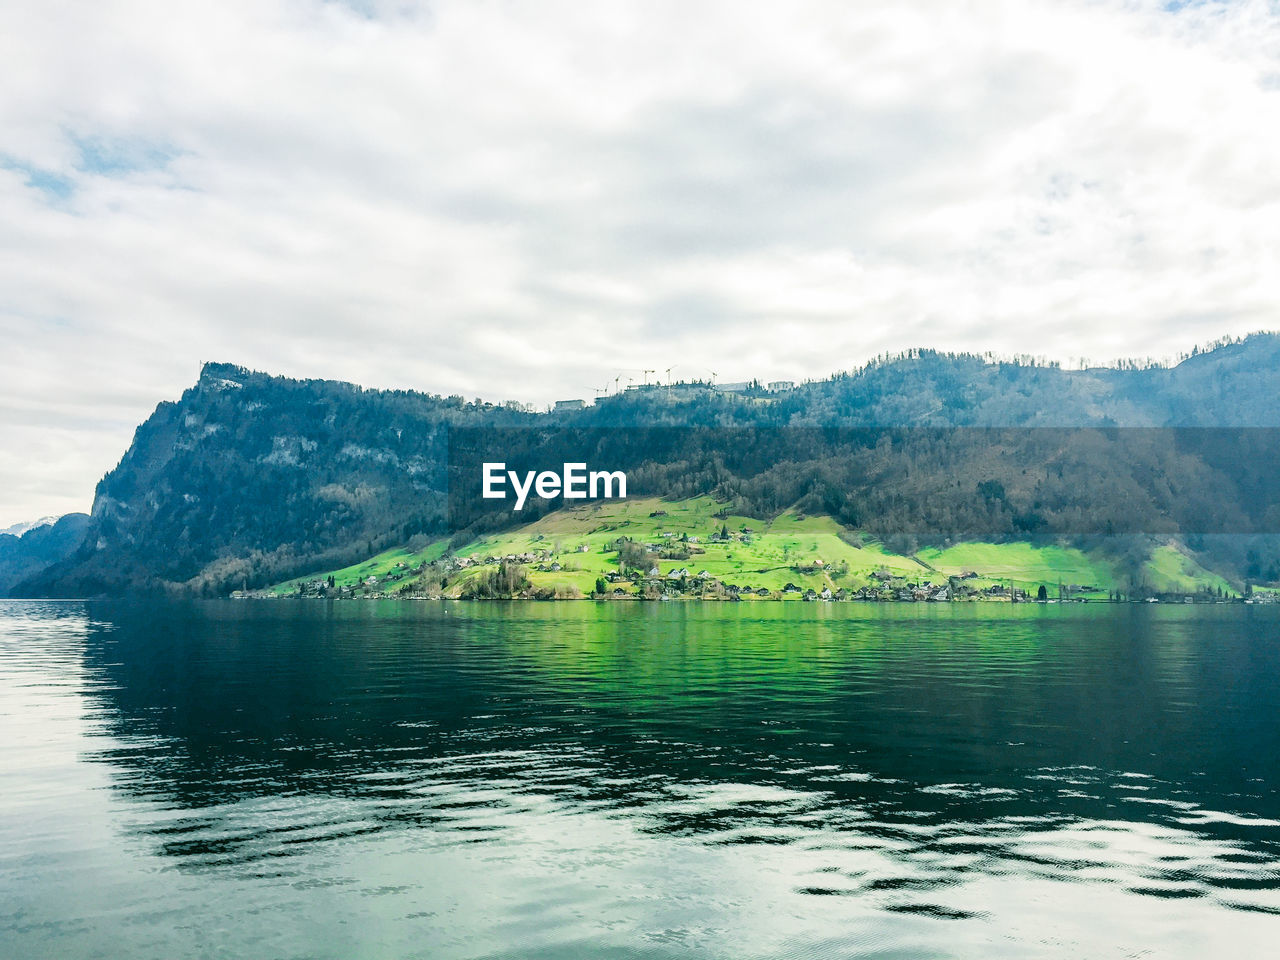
[565,553]
[1170,570]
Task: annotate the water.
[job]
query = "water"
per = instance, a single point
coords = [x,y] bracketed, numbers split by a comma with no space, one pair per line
[623,780]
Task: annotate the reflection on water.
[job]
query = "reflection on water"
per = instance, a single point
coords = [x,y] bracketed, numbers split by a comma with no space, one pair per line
[674,780]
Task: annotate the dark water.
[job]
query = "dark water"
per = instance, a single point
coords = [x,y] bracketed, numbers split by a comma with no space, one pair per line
[668,780]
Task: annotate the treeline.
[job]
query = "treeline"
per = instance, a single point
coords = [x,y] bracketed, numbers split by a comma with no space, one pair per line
[933,483]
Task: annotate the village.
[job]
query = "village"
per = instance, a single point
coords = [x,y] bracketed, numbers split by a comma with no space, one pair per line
[667,567]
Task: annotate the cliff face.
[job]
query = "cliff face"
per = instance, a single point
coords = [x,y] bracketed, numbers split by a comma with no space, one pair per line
[249,478]
[248,474]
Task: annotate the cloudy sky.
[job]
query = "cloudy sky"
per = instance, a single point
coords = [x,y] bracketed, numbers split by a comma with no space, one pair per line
[523,200]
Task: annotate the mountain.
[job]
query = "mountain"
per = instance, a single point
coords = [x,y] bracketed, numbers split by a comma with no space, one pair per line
[38,546]
[248,479]
[18,529]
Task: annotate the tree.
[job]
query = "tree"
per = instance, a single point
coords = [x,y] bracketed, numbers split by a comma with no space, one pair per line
[1042,593]
[632,555]
[602,586]
[508,580]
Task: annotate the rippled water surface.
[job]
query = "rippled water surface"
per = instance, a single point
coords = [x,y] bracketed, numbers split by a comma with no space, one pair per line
[296,779]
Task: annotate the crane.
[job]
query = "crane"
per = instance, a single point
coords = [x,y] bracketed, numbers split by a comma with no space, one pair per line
[624,371]
[669,369]
[713,377]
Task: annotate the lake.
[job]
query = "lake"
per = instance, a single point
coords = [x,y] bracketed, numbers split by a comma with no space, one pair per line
[530,780]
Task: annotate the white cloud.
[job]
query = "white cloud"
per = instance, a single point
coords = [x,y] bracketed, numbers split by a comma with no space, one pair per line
[520,201]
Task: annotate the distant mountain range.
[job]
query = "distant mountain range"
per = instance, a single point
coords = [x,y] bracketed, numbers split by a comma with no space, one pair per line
[18,529]
[38,545]
[248,479]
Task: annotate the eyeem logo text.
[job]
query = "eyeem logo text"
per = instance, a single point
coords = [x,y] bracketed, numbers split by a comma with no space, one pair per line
[575,482]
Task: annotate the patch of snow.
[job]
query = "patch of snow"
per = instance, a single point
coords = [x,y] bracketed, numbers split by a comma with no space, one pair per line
[18,529]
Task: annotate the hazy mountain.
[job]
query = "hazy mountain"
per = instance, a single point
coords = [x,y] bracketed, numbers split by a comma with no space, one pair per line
[248,478]
[38,546]
[18,529]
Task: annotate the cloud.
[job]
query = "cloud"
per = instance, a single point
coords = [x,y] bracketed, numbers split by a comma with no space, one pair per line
[523,201]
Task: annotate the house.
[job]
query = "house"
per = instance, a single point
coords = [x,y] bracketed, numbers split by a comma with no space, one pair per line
[570,405]
[555,567]
[778,386]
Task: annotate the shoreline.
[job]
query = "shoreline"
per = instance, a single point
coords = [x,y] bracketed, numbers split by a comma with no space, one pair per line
[1170,601]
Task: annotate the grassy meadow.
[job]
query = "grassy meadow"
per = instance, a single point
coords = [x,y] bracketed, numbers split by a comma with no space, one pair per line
[811,552]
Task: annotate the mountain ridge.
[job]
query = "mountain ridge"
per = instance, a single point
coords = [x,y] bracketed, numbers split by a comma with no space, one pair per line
[22,527]
[249,478]
[39,547]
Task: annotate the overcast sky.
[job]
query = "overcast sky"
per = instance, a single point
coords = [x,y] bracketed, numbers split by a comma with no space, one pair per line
[524,200]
